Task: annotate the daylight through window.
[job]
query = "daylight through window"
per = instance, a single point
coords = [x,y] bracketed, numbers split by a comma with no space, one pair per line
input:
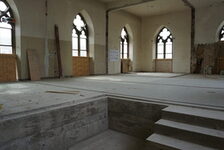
[79,37]
[164,45]
[6,29]
[124,44]
[221,35]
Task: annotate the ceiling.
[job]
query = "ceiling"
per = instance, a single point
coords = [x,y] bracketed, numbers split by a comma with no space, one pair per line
[108,1]
[156,7]
[196,3]
[204,3]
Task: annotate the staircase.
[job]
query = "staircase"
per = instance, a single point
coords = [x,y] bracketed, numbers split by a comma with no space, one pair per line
[187,128]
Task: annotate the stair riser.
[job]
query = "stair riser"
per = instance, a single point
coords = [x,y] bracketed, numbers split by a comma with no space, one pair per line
[157,146]
[194,120]
[193,137]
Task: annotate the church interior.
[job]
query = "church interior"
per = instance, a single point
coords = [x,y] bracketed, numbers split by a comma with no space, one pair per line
[111,74]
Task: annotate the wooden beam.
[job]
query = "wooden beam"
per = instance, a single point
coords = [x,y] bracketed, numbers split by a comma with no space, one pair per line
[58,49]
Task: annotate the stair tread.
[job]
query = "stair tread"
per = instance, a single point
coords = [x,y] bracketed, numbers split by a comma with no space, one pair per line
[205,113]
[192,128]
[175,143]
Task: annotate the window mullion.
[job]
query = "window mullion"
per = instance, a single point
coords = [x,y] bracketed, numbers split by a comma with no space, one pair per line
[164,49]
[122,49]
[128,49]
[87,47]
[79,53]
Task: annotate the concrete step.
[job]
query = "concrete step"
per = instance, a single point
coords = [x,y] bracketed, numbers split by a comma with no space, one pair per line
[196,134]
[202,117]
[168,143]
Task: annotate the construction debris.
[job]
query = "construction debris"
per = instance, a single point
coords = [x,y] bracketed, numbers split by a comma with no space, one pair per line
[63,92]
[209,58]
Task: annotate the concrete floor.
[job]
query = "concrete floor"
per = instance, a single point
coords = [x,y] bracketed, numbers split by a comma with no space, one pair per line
[25,97]
[159,87]
[110,140]
[175,88]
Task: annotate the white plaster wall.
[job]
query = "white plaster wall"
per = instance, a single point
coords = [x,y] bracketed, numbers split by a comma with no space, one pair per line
[179,23]
[118,20]
[34,25]
[208,21]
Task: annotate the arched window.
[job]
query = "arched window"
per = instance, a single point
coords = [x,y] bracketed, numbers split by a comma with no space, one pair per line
[124,44]
[79,37]
[6,28]
[164,45]
[221,34]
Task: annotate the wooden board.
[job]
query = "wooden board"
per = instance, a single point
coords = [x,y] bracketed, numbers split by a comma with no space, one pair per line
[58,50]
[125,65]
[7,68]
[34,65]
[164,65]
[81,66]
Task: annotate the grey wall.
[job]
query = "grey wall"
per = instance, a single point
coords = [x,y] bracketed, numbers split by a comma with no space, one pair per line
[133,117]
[55,129]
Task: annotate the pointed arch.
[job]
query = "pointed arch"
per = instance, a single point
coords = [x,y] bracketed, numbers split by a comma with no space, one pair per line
[164,44]
[124,44]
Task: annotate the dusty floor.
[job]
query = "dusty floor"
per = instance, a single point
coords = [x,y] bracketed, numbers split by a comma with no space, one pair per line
[110,140]
[188,89]
[161,87]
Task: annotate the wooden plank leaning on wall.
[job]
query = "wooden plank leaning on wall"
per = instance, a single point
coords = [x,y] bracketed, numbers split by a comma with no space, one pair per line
[34,65]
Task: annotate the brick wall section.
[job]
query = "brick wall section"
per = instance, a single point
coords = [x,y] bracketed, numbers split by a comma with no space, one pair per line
[7,68]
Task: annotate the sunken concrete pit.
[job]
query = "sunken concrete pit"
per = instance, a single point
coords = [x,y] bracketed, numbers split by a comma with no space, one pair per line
[65,126]
[107,122]
[113,113]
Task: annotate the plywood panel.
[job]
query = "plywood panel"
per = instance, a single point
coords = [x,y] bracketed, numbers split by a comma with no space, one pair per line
[125,65]
[81,66]
[164,65]
[7,68]
[34,65]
